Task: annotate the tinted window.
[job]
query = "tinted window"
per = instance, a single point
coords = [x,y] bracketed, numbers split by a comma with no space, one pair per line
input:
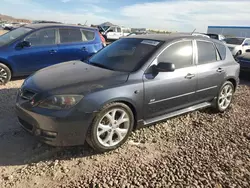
[42,37]
[222,50]
[181,54]
[247,42]
[213,36]
[206,52]
[87,35]
[125,55]
[237,41]
[112,29]
[70,35]
[13,35]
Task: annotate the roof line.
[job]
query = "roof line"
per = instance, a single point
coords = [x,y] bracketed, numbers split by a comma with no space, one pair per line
[236,27]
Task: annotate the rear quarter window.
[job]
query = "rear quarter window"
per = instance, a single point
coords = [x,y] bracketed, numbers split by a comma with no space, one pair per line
[87,35]
[222,50]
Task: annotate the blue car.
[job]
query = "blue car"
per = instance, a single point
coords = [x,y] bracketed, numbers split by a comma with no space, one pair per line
[36,46]
[244,61]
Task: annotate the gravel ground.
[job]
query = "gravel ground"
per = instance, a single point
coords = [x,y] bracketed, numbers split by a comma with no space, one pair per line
[2,31]
[199,149]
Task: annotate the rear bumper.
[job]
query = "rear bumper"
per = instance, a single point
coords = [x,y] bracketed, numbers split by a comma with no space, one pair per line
[56,131]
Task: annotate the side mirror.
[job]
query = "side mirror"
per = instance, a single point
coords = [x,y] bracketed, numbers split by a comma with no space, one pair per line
[24,44]
[165,67]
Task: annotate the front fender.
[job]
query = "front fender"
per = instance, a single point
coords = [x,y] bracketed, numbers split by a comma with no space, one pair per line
[130,94]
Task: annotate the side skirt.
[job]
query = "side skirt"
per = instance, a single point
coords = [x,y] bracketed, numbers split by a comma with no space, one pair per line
[142,123]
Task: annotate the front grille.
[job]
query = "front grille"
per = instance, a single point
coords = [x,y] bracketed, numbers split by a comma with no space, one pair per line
[26,125]
[26,94]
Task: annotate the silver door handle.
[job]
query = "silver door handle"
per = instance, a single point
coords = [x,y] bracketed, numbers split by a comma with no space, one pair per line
[189,76]
[220,70]
[52,51]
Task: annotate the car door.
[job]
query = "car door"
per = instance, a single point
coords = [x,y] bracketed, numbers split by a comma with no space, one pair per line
[41,53]
[119,32]
[170,91]
[111,33]
[71,45]
[210,71]
[245,45]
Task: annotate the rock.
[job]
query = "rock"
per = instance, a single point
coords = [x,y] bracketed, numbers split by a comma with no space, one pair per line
[8,178]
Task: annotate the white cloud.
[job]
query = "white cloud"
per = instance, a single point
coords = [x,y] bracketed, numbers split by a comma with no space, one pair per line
[98,9]
[65,1]
[171,15]
[187,15]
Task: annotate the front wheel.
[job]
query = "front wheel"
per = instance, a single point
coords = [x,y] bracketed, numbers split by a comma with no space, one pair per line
[238,53]
[5,74]
[111,127]
[225,96]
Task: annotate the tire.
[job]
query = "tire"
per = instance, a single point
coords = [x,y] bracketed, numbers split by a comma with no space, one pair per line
[103,135]
[238,53]
[5,74]
[225,96]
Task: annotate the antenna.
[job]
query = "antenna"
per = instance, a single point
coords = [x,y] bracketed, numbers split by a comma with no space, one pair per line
[85,22]
[193,31]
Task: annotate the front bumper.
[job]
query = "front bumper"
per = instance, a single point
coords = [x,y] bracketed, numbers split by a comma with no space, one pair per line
[56,129]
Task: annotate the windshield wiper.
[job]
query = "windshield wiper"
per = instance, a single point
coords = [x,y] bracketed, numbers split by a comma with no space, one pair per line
[100,65]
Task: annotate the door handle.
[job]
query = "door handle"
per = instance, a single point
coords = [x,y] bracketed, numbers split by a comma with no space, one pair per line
[52,51]
[189,76]
[83,48]
[220,70]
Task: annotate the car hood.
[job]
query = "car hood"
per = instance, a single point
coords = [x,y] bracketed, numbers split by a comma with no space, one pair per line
[74,77]
[232,45]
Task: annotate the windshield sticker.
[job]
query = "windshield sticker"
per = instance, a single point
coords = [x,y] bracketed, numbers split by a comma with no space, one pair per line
[150,42]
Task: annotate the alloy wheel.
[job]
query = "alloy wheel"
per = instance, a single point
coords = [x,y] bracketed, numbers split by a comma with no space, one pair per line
[3,76]
[225,97]
[113,127]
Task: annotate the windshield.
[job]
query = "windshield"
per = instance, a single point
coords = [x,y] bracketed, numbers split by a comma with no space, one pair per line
[237,41]
[13,35]
[213,36]
[125,55]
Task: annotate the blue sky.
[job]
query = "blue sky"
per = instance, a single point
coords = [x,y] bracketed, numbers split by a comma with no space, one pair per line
[173,15]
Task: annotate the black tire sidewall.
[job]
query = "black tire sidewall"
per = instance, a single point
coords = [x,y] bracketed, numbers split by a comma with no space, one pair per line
[92,135]
[7,71]
[217,101]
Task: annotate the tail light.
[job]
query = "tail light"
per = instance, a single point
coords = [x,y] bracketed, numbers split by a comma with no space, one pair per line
[102,38]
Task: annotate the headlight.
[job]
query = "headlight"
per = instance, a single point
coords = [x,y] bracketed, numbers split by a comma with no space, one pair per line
[59,102]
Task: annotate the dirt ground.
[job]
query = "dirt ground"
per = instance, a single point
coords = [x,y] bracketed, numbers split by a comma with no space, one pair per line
[2,32]
[199,149]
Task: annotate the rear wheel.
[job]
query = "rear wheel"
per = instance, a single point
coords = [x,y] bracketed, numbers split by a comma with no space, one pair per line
[225,96]
[111,127]
[5,74]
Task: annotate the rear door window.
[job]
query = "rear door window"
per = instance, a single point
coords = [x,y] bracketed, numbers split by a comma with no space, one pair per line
[42,37]
[70,35]
[206,52]
[119,30]
[87,35]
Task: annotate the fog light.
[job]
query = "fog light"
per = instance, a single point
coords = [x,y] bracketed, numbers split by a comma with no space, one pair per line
[37,132]
[49,134]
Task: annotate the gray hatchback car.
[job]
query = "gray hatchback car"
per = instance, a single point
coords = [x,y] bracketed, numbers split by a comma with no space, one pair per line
[131,83]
